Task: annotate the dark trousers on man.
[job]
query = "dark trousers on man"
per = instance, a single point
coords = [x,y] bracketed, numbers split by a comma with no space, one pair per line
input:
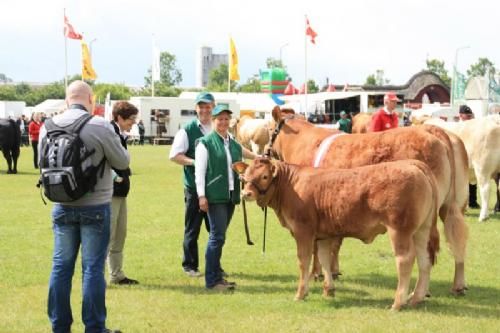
[193,218]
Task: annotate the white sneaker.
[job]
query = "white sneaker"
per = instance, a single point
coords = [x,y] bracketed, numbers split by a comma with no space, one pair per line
[193,273]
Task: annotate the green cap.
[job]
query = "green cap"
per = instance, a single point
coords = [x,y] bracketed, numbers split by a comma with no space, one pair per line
[342,113]
[222,107]
[204,97]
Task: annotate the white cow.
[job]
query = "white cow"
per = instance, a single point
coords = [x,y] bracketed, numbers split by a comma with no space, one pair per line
[252,133]
[481,138]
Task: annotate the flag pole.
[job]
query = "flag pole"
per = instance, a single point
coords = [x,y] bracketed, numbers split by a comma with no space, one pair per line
[229,58]
[305,69]
[65,56]
[152,66]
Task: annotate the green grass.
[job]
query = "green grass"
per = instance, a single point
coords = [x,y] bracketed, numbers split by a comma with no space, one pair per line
[168,301]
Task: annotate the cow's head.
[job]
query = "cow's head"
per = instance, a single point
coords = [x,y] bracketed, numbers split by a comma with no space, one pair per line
[257,177]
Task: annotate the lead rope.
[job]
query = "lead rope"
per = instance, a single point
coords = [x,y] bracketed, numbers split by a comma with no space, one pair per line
[245,220]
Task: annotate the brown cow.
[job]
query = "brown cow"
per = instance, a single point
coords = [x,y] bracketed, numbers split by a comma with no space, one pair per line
[298,142]
[321,204]
[252,133]
[361,122]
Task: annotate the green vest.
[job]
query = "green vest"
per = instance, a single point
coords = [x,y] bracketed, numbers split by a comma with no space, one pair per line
[216,179]
[345,125]
[194,134]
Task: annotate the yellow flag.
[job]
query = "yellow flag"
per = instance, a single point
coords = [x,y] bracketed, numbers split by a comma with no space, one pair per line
[233,62]
[88,72]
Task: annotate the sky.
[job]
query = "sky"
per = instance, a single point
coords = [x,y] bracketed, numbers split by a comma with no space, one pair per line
[355,37]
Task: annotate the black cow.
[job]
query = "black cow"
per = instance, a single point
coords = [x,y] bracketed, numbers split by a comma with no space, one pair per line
[10,142]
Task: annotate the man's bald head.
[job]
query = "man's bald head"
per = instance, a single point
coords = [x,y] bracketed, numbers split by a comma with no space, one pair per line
[79,92]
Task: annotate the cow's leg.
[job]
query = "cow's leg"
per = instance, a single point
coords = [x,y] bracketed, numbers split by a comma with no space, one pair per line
[15,156]
[497,182]
[404,250]
[305,243]
[336,243]
[324,254]
[8,158]
[421,239]
[316,267]
[484,191]
[456,233]
[255,147]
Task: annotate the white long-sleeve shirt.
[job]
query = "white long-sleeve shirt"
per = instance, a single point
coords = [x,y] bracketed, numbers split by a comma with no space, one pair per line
[201,163]
[181,140]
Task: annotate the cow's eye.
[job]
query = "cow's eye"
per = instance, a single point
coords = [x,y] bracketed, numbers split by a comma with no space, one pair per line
[264,177]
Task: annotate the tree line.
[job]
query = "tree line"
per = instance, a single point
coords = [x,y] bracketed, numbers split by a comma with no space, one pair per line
[171,76]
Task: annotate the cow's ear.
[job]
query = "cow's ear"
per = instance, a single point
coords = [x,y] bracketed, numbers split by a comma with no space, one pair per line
[239,167]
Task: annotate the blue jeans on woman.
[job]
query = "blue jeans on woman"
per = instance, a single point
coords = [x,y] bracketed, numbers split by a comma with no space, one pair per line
[219,216]
[88,226]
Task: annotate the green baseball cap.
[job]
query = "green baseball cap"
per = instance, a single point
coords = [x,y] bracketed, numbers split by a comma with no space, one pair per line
[204,97]
[342,113]
[222,107]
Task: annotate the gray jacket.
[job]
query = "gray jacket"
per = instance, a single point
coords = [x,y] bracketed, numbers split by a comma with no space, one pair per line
[99,134]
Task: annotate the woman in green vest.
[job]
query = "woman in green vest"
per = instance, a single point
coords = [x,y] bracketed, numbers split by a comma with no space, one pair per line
[218,188]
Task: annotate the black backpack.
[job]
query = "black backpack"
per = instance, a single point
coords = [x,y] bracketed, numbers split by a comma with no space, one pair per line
[66,169]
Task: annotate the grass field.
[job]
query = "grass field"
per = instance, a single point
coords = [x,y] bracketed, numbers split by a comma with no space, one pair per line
[168,301]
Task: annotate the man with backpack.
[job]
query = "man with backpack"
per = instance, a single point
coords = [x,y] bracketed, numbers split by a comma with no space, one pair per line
[80,217]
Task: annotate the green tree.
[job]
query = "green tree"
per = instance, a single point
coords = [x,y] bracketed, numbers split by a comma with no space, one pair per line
[483,67]
[371,80]
[312,87]
[217,79]
[4,78]
[272,62]
[8,93]
[437,67]
[161,89]
[252,85]
[117,91]
[170,75]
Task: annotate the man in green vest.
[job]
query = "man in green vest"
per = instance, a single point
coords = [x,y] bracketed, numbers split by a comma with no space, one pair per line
[345,123]
[183,153]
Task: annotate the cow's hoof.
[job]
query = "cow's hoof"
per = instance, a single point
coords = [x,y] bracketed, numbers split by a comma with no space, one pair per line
[329,293]
[483,219]
[459,291]
[319,277]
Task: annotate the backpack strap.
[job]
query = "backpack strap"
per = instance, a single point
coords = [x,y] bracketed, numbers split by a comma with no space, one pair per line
[73,128]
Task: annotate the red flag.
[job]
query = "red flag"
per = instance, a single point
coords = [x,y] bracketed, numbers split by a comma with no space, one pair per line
[69,31]
[310,31]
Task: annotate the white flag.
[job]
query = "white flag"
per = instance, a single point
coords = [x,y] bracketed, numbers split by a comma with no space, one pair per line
[155,69]
[108,110]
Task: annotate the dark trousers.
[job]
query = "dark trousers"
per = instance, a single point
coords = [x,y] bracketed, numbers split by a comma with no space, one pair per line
[34,144]
[219,216]
[193,218]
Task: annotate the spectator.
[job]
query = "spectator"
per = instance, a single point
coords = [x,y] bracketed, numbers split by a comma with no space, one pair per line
[345,124]
[218,188]
[183,153]
[465,113]
[124,116]
[386,118]
[34,131]
[84,222]
[142,131]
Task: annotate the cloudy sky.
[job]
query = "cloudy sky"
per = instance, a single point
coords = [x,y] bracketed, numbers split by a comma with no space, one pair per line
[355,37]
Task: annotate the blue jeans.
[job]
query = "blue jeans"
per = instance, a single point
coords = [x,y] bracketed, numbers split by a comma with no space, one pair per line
[74,226]
[193,218]
[219,216]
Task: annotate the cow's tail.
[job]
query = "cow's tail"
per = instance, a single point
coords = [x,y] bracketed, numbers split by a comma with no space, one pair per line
[433,243]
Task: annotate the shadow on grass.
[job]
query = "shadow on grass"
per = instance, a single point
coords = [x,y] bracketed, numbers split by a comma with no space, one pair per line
[479,301]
